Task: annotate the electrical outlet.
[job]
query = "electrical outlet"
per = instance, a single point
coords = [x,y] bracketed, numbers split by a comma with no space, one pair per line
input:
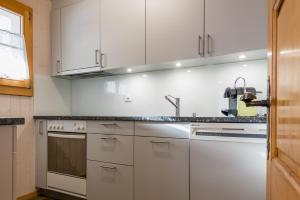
[127,99]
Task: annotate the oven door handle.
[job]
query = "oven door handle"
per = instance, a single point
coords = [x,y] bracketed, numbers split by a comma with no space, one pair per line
[67,136]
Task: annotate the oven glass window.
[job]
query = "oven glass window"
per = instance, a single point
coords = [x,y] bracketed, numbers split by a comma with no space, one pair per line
[67,155]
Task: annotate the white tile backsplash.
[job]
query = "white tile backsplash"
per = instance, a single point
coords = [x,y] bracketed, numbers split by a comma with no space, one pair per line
[200,89]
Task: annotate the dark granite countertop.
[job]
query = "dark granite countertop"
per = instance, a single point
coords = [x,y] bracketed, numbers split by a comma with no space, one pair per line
[11,121]
[160,119]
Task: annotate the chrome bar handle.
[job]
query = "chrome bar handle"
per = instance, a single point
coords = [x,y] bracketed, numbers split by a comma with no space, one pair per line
[233,129]
[159,142]
[110,125]
[102,56]
[58,68]
[209,45]
[109,168]
[109,138]
[200,47]
[96,57]
[41,132]
[67,136]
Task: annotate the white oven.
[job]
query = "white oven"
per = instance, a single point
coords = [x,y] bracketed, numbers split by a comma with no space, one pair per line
[67,157]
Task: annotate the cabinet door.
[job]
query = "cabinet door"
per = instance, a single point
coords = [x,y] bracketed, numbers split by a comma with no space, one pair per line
[55,42]
[80,35]
[235,26]
[161,168]
[7,157]
[122,32]
[41,154]
[109,181]
[173,28]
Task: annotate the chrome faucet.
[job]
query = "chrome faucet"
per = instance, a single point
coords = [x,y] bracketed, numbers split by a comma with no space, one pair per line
[176,104]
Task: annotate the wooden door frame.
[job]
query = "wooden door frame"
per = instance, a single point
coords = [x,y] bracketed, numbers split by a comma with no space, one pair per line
[272,62]
[272,77]
[272,110]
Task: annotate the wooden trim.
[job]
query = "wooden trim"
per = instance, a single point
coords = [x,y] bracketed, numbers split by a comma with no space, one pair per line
[272,26]
[272,112]
[15,6]
[28,196]
[15,83]
[21,88]
[6,90]
[277,4]
[289,175]
[272,62]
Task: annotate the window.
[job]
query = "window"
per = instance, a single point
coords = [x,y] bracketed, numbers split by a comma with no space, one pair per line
[15,48]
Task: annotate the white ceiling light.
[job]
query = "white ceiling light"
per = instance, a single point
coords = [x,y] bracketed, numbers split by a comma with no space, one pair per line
[178,64]
[242,56]
[129,70]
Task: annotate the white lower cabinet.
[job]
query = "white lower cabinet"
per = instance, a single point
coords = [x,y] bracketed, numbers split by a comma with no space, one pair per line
[109,181]
[161,168]
[8,162]
[41,166]
[153,165]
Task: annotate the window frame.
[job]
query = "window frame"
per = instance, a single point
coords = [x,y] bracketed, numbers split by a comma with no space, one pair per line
[15,87]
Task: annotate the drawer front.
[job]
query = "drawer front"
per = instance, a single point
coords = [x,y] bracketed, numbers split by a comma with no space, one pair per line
[111,127]
[109,181]
[170,130]
[110,148]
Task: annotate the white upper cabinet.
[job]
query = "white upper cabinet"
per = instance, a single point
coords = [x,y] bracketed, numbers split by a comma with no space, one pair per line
[80,35]
[173,30]
[235,25]
[55,42]
[95,35]
[122,33]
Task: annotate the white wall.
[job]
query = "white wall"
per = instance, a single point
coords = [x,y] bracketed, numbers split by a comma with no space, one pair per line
[52,95]
[20,106]
[201,90]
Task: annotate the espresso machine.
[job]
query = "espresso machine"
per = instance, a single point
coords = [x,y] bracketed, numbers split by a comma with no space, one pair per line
[235,100]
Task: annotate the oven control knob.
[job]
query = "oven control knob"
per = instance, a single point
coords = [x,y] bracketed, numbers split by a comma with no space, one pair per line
[83,128]
[62,127]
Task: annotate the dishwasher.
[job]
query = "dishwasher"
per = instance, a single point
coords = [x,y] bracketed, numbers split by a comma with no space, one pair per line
[228,161]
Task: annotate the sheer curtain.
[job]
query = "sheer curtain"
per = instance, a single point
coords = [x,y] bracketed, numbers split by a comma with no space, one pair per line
[13,58]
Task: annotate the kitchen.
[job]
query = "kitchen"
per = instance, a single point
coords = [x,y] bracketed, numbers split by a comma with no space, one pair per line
[153,99]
